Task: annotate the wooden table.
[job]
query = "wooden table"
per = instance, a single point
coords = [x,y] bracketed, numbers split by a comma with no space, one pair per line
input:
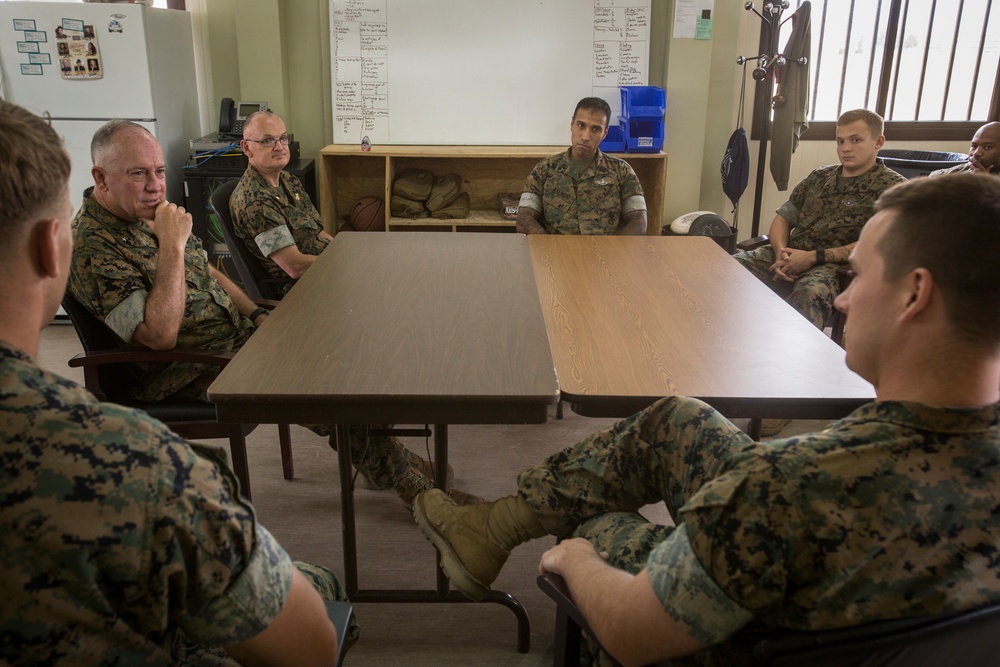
[415,328]
[633,319]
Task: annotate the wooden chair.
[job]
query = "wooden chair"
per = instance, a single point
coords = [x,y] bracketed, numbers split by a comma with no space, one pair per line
[257,282]
[107,375]
[971,639]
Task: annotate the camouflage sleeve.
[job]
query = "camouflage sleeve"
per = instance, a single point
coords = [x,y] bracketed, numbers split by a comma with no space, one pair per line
[688,593]
[631,191]
[743,528]
[273,240]
[789,212]
[108,275]
[790,209]
[128,315]
[224,576]
[263,222]
[534,188]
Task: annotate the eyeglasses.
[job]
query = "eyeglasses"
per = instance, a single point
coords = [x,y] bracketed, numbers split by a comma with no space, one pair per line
[271,141]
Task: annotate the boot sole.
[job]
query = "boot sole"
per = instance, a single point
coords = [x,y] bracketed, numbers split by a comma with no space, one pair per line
[464,582]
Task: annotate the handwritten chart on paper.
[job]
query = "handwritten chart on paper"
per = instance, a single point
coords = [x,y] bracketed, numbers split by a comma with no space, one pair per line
[460,72]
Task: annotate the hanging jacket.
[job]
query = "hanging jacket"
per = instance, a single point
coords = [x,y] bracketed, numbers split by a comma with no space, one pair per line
[792,99]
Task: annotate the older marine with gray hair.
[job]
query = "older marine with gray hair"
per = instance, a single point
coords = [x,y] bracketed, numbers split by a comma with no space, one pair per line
[120,544]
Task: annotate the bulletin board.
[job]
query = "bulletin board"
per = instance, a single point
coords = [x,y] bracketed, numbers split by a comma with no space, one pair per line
[479,72]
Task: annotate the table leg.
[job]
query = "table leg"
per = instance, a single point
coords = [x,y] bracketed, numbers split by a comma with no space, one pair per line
[441,482]
[347,510]
[443,592]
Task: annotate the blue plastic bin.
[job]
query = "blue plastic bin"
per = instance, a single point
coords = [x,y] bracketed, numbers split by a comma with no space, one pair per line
[643,102]
[615,141]
[643,136]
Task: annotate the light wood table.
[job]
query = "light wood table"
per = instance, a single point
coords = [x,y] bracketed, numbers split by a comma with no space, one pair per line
[633,319]
[418,328]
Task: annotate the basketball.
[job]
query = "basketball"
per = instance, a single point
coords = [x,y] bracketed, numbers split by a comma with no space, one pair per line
[368,215]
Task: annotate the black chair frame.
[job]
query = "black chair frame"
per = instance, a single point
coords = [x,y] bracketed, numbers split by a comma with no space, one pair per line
[257,282]
[970,638]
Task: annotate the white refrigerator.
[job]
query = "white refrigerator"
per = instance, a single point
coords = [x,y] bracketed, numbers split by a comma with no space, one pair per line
[86,63]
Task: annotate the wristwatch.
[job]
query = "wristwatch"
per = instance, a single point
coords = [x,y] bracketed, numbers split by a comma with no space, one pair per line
[821,256]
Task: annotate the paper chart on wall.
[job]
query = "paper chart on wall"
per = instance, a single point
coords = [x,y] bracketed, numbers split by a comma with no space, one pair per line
[455,72]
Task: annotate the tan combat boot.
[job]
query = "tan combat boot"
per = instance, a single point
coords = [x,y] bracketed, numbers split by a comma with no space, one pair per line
[418,462]
[415,482]
[475,541]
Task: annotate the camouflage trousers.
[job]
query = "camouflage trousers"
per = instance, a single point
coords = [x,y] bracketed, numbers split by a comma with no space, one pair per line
[595,488]
[189,654]
[812,294]
[380,459]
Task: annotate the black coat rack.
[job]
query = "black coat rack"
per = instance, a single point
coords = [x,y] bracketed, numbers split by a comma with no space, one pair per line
[767,64]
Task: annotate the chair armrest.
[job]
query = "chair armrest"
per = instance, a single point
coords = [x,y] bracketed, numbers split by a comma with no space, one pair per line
[270,304]
[340,614]
[133,356]
[844,277]
[555,587]
[754,243]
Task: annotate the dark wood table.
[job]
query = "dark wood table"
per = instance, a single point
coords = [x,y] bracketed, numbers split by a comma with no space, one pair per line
[405,328]
[633,319]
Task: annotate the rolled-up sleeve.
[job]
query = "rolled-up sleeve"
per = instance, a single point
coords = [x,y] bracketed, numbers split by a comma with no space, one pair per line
[689,595]
[220,574]
[128,315]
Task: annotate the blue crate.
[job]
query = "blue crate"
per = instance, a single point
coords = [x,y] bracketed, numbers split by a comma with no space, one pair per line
[643,102]
[643,136]
[615,141]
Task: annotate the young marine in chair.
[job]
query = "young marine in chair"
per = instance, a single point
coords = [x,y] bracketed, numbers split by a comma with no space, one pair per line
[582,190]
[891,512]
[137,267]
[120,544]
[813,232]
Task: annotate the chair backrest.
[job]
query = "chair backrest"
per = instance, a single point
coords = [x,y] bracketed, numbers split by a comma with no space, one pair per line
[114,380]
[912,163]
[257,282]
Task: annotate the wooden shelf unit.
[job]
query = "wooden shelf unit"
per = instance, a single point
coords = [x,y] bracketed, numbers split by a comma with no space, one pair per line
[347,173]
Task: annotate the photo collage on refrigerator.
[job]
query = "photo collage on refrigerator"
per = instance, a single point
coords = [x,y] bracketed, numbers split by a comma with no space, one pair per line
[78,49]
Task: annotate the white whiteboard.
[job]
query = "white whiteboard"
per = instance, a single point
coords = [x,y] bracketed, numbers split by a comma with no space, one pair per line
[479,72]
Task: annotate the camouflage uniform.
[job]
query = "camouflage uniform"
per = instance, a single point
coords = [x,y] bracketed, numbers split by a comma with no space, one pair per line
[112,271]
[589,203]
[888,513]
[270,219]
[120,544]
[825,210]
[961,169]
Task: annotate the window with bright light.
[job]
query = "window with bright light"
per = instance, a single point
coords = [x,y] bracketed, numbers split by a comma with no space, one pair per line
[929,67]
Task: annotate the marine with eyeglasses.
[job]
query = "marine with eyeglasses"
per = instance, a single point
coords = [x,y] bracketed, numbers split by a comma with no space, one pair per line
[271,211]
[275,218]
